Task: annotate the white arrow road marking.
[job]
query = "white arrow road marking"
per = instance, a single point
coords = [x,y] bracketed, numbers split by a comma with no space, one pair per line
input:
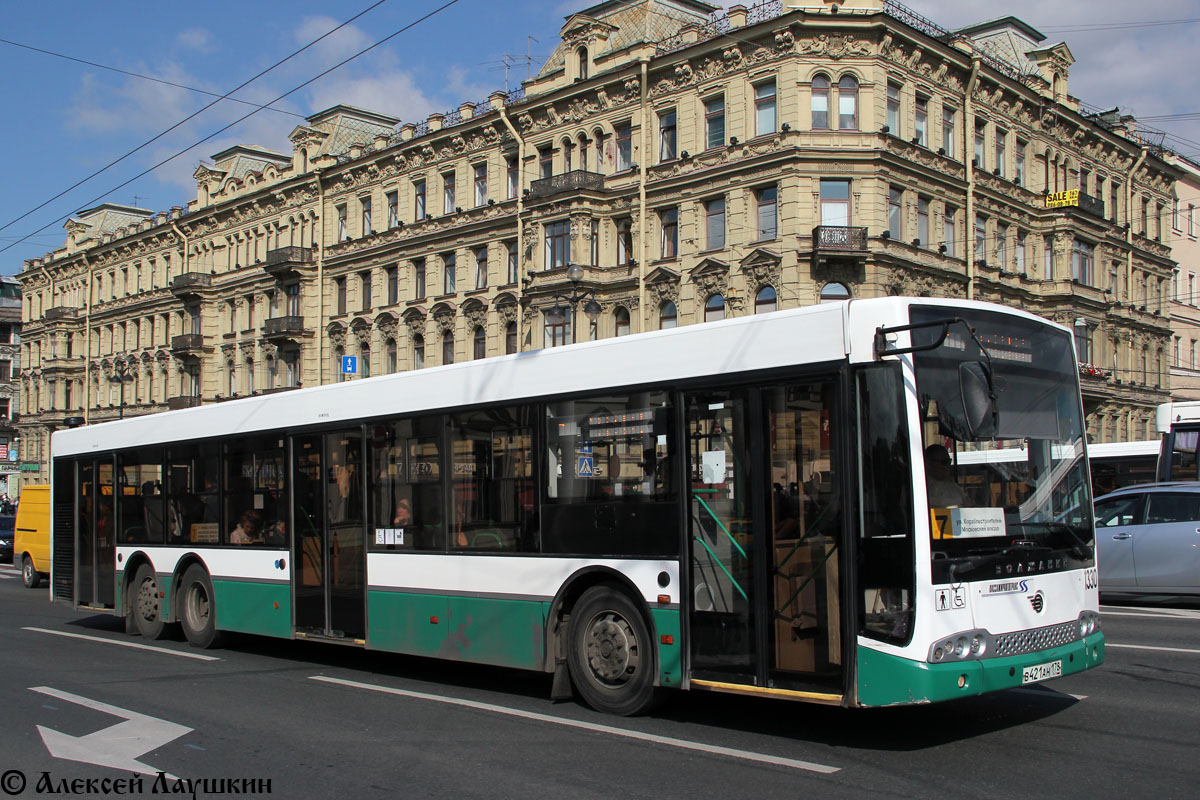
[117,747]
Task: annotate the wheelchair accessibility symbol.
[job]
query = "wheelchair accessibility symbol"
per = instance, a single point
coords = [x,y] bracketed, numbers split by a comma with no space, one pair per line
[951,599]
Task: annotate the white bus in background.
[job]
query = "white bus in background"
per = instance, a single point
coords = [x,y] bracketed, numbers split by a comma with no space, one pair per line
[1179,426]
[1114,465]
[735,506]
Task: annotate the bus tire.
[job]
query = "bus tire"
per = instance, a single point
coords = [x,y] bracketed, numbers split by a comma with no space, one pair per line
[198,608]
[29,575]
[609,653]
[147,605]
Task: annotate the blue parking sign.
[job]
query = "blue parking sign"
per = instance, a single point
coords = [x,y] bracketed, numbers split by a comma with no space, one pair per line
[349,365]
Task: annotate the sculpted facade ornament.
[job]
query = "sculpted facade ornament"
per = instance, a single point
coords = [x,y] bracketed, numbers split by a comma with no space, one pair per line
[416,324]
[337,336]
[444,321]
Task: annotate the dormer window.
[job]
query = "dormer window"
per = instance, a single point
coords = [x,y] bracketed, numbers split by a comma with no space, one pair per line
[582,53]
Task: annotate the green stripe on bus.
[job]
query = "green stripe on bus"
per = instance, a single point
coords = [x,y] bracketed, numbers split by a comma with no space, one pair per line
[508,633]
[248,607]
[670,656]
[885,679]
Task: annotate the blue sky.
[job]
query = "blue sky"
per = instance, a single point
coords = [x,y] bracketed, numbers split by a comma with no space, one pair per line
[67,120]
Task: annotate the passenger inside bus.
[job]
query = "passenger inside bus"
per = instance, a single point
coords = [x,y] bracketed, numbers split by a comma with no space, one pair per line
[248,529]
[944,492]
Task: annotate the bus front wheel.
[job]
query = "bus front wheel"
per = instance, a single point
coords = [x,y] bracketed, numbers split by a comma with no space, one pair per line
[29,575]
[147,603]
[198,608]
[609,653]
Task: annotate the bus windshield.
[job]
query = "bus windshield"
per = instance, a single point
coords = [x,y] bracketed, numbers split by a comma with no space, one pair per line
[1002,432]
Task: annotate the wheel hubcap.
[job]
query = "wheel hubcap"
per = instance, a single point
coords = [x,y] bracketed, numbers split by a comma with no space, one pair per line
[198,607]
[147,599]
[612,649]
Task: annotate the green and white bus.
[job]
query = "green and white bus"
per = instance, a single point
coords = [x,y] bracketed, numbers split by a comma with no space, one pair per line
[735,506]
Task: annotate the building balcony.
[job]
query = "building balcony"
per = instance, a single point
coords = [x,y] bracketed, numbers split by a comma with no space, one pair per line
[573,181]
[284,328]
[1074,198]
[283,262]
[186,344]
[838,243]
[190,284]
[176,403]
[60,312]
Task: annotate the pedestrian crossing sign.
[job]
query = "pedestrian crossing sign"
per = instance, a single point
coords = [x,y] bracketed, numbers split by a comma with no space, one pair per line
[585,467]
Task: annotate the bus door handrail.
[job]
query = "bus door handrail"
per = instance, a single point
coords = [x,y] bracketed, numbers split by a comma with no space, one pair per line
[720,524]
[717,561]
[804,585]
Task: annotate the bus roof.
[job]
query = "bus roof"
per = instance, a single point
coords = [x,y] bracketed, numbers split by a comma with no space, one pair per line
[825,333]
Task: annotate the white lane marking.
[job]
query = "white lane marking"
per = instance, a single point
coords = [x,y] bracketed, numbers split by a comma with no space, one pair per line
[135,645]
[117,746]
[1157,613]
[1152,647]
[1046,691]
[7,576]
[589,726]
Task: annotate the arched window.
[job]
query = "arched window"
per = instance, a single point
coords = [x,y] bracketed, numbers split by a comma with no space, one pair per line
[364,361]
[338,352]
[479,344]
[714,309]
[668,317]
[621,321]
[418,352]
[832,292]
[510,338]
[765,301]
[448,347]
[820,102]
[848,103]
[391,356]
[582,53]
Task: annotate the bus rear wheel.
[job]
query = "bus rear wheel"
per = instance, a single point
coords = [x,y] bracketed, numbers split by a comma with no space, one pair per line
[609,653]
[198,608]
[29,575]
[147,603]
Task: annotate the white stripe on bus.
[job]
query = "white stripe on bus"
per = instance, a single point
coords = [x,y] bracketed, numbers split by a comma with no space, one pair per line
[670,741]
[134,645]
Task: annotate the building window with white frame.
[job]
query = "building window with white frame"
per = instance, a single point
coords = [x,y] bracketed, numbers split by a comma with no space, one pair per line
[1002,246]
[980,139]
[393,207]
[668,220]
[448,193]
[714,224]
[342,234]
[668,316]
[1020,253]
[511,260]
[449,273]
[419,279]
[922,121]
[766,201]
[624,147]
[764,108]
[819,102]
[948,121]
[1001,152]
[848,103]
[893,108]
[512,175]
[895,206]
[365,204]
[980,238]
[923,221]
[558,244]
[419,208]
[1082,262]
[714,122]
[835,203]
[667,135]
[949,227]
[481,184]
[1019,155]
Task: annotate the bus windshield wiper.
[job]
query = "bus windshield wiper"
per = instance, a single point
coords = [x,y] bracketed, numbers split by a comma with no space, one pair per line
[1080,548]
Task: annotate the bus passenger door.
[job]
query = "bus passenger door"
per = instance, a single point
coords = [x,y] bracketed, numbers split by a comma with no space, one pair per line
[806,529]
[329,556]
[721,539]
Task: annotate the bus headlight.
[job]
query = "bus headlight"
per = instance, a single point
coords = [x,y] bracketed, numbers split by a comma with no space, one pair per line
[960,646]
[1089,623]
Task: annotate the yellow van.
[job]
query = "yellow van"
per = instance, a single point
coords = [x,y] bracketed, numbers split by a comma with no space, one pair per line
[31,547]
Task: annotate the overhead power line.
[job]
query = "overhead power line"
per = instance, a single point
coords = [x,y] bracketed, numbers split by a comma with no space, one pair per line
[186,119]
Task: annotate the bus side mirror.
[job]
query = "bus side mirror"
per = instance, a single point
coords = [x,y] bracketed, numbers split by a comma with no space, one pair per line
[978,398]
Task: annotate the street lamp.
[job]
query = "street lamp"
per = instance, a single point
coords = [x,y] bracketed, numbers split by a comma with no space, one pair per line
[558,313]
[121,372]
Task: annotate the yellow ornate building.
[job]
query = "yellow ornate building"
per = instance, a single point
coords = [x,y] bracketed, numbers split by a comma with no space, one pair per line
[669,164]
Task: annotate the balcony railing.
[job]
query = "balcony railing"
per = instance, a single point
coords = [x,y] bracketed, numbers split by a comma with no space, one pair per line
[187,341]
[284,260]
[60,312]
[567,182]
[1092,205]
[190,282]
[837,237]
[176,403]
[283,326]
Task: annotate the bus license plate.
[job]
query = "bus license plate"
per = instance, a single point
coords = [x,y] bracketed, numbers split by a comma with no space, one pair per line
[1040,672]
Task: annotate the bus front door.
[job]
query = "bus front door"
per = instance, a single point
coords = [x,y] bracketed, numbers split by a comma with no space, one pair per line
[329,556]
[764,528]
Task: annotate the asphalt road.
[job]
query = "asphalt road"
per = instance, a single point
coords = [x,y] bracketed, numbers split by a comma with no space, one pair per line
[320,720]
